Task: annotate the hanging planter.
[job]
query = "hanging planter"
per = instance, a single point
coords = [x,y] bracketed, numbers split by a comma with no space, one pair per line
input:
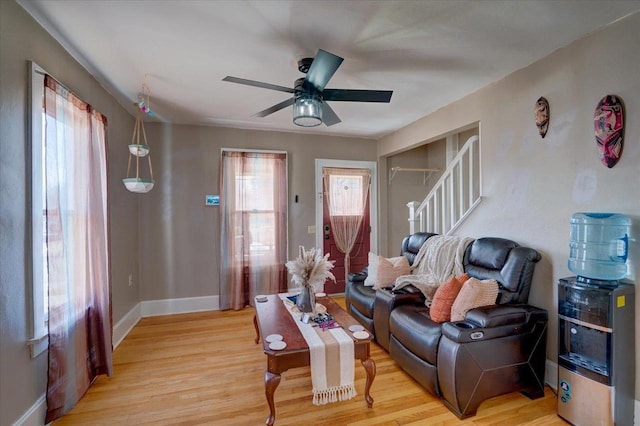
[139,150]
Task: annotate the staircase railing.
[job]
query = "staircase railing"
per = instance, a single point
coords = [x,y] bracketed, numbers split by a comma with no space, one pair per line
[453,197]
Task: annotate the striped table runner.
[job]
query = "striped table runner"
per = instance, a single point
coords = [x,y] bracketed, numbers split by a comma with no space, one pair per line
[332,359]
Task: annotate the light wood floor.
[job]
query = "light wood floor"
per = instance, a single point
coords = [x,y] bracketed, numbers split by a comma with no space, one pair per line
[204,368]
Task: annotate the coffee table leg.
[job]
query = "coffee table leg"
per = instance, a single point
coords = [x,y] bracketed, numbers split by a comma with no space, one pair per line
[370,368]
[255,324]
[271,382]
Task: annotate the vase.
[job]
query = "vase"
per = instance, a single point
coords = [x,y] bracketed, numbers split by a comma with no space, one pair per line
[306,301]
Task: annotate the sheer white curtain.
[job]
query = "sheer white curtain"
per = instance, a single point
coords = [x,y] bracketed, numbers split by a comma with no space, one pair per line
[253,205]
[346,194]
[77,248]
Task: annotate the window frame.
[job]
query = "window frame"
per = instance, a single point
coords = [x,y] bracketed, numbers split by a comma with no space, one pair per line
[39,341]
[258,211]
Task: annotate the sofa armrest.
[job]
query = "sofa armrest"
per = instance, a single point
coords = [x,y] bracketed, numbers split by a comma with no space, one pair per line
[357,277]
[508,357]
[492,322]
[409,290]
[496,315]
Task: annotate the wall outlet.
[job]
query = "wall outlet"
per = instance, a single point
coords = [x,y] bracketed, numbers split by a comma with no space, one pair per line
[311,229]
[130,280]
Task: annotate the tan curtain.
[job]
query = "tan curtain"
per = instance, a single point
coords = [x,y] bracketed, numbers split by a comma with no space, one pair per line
[253,206]
[346,193]
[77,248]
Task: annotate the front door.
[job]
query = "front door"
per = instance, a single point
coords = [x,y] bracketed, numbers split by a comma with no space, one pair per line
[358,257]
[366,236]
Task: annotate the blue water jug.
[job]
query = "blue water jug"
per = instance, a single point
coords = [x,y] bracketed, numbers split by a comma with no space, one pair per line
[599,245]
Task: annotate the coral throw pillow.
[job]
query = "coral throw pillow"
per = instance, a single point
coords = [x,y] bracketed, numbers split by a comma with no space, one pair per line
[383,272]
[440,310]
[474,293]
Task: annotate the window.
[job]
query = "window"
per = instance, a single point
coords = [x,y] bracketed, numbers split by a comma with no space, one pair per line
[348,194]
[253,207]
[255,192]
[39,290]
[71,217]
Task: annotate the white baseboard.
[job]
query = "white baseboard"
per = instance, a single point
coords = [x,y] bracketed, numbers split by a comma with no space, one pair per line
[35,415]
[126,324]
[152,308]
[551,375]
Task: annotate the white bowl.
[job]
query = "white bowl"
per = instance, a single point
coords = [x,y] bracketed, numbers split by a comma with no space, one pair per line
[361,335]
[139,150]
[140,185]
[278,345]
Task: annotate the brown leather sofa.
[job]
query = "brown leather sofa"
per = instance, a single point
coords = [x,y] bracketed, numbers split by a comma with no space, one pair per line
[496,349]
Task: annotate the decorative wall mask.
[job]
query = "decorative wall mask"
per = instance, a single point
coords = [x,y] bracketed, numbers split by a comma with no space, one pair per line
[609,129]
[541,112]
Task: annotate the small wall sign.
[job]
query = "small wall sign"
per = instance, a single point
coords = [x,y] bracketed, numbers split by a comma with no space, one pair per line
[212,200]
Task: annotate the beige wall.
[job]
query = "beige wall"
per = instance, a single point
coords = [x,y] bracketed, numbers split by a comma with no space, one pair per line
[180,236]
[531,186]
[23,380]
[409,186]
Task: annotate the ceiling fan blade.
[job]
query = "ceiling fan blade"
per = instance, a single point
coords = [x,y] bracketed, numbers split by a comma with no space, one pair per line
[257,84]
[322,68]
[357,95]
[274,108]
[329,116]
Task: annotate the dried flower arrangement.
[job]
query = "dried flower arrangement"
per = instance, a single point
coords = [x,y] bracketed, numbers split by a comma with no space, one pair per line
[310,268]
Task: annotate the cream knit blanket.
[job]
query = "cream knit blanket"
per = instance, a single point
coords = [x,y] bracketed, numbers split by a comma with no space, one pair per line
[439,259]
[332,357]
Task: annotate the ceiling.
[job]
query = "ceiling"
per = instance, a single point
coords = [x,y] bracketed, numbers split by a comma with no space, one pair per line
[430,53]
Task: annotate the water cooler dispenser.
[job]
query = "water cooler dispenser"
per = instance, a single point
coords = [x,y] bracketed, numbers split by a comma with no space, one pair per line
[596,325]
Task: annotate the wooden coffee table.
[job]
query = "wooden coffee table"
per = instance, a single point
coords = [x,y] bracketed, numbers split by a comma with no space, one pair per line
[272,317]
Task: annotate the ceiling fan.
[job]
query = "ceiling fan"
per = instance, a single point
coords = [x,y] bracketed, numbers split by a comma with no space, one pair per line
[309,94]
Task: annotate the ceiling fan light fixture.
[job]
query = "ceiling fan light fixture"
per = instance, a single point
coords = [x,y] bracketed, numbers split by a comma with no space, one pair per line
[307,110]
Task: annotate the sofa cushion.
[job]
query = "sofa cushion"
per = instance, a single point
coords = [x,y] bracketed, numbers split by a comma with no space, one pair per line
[474,293]
[440,309]
[411,244]
[412,326]
[490,253]
[383,272]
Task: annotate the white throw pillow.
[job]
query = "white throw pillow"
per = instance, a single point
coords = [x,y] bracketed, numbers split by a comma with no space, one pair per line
[372,270]
[382,272]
